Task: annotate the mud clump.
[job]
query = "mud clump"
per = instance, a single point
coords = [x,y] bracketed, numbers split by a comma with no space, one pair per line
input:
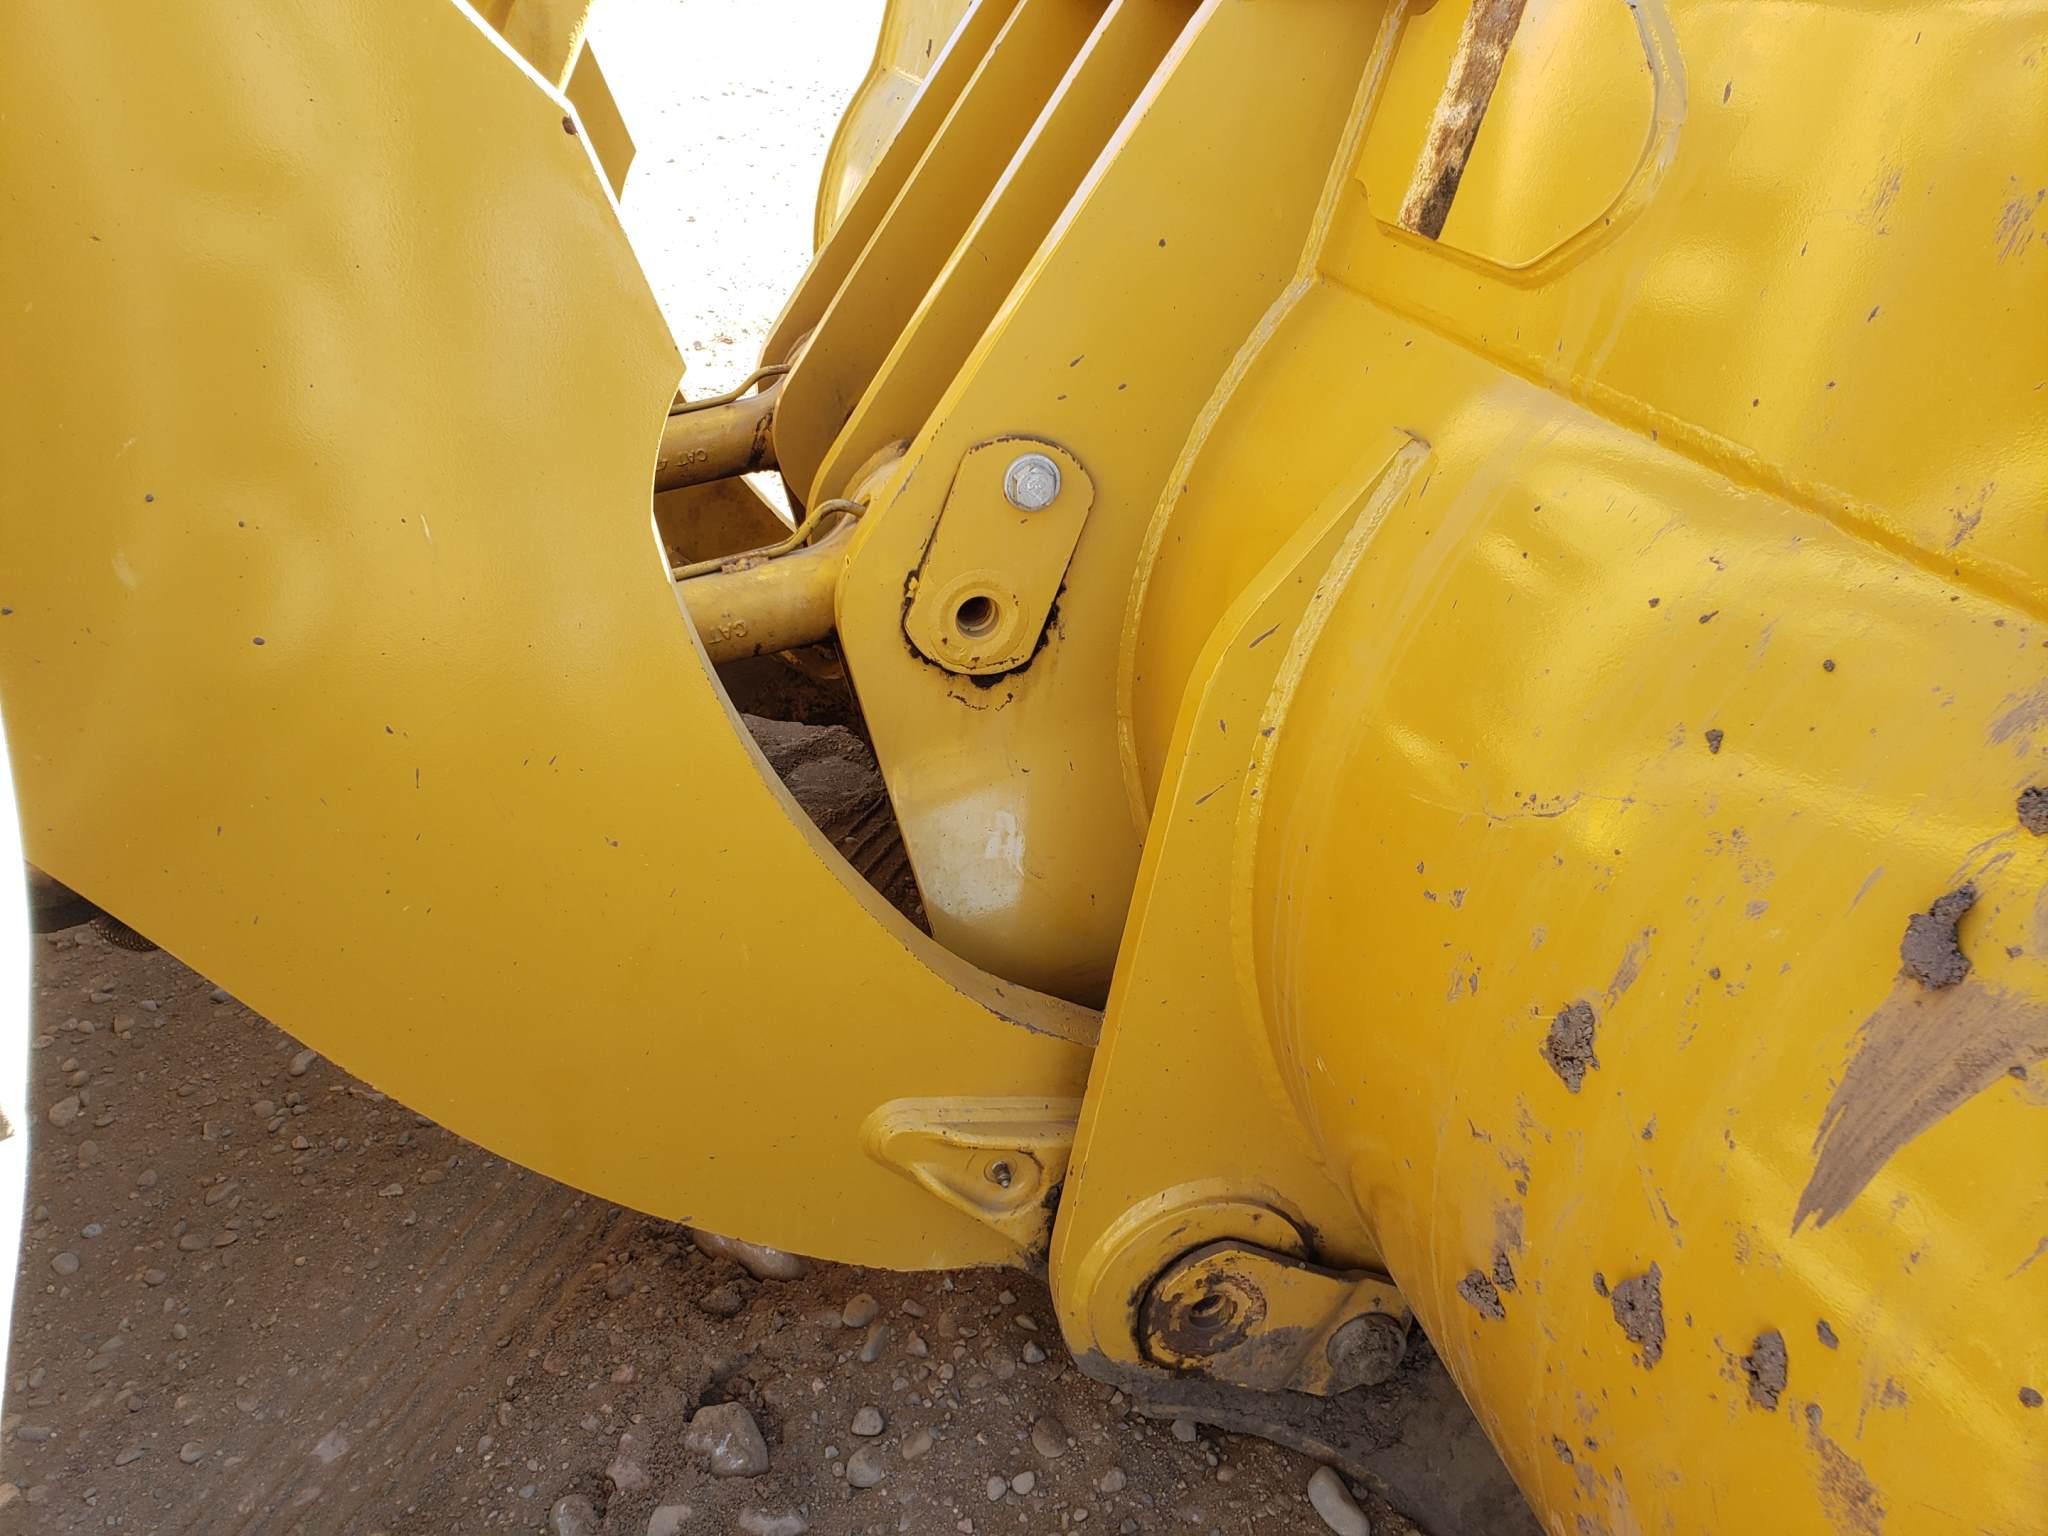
[1931,950]
[1714,739]
[1827,1334]
[2033,809]
[1764,1365]
[1503,1270]
[1569,1048]
[1480,1292]
[1638,1304]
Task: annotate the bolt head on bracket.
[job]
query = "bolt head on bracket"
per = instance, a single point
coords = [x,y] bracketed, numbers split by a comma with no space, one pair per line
[1031,482]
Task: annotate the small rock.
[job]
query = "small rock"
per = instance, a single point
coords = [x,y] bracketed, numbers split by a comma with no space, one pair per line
[192,1242]
[219,995]
[914,1344]
[872,1346]
[1184,1431]
[1333,1501]
[65,1264]
[128,1456]
[1023,1482]
[1033,1355]
[390,1191]
[758,1260]
[911,1308]
[866,1467]
[154,1277]
[227,1239]
[760,1522]
[868,1421]
[1049,1438]
[917,1445]
[1112,1481]
[34,1434]
[303,1062]
[722,1301]
[728,1439]
[997,1487]
[860,1311]
[190,1452]
[669,1519]
[148,1005]
[91,1230]
[572,1515]
[626,1471]
[146,1179]
[65,1110]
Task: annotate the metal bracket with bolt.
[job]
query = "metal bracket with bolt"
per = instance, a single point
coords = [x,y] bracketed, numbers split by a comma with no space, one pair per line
[1258,1319]
[985,590]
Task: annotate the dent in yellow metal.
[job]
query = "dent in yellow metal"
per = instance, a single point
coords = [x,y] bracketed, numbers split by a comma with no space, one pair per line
[857,221]
[410,721]
[598,113]
[1011,798]
[1000,1160]
[982,597]
[908,44]
[967,154]
[774,605]
[1232,1125]
[1271,1323]
[1068,136]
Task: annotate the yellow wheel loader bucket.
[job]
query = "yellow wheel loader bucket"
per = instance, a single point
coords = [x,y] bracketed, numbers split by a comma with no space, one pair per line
[1452,600]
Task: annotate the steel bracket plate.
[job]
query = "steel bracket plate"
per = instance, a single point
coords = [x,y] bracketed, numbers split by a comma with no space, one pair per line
[1258,1319]
[984,592]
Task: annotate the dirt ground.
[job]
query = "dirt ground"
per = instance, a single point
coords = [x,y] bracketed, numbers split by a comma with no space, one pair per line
[256,1295]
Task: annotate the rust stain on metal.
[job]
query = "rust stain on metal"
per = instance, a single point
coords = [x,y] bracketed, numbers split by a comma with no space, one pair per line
[1920,1056]
[1475,70]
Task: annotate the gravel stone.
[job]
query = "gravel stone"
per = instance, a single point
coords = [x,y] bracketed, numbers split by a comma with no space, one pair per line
[727,1438]
[1049,1438]
[1333,1501]
[866,1467]
[868,1421]
[761,1522]
[572,1515]
[917,1445]
[669,1519]
[191,1452]
[1023,1482]
[65,1110]
[65,1263]
[860,1311]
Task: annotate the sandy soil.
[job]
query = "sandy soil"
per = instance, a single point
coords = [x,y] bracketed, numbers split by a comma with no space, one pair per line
[258,1296]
